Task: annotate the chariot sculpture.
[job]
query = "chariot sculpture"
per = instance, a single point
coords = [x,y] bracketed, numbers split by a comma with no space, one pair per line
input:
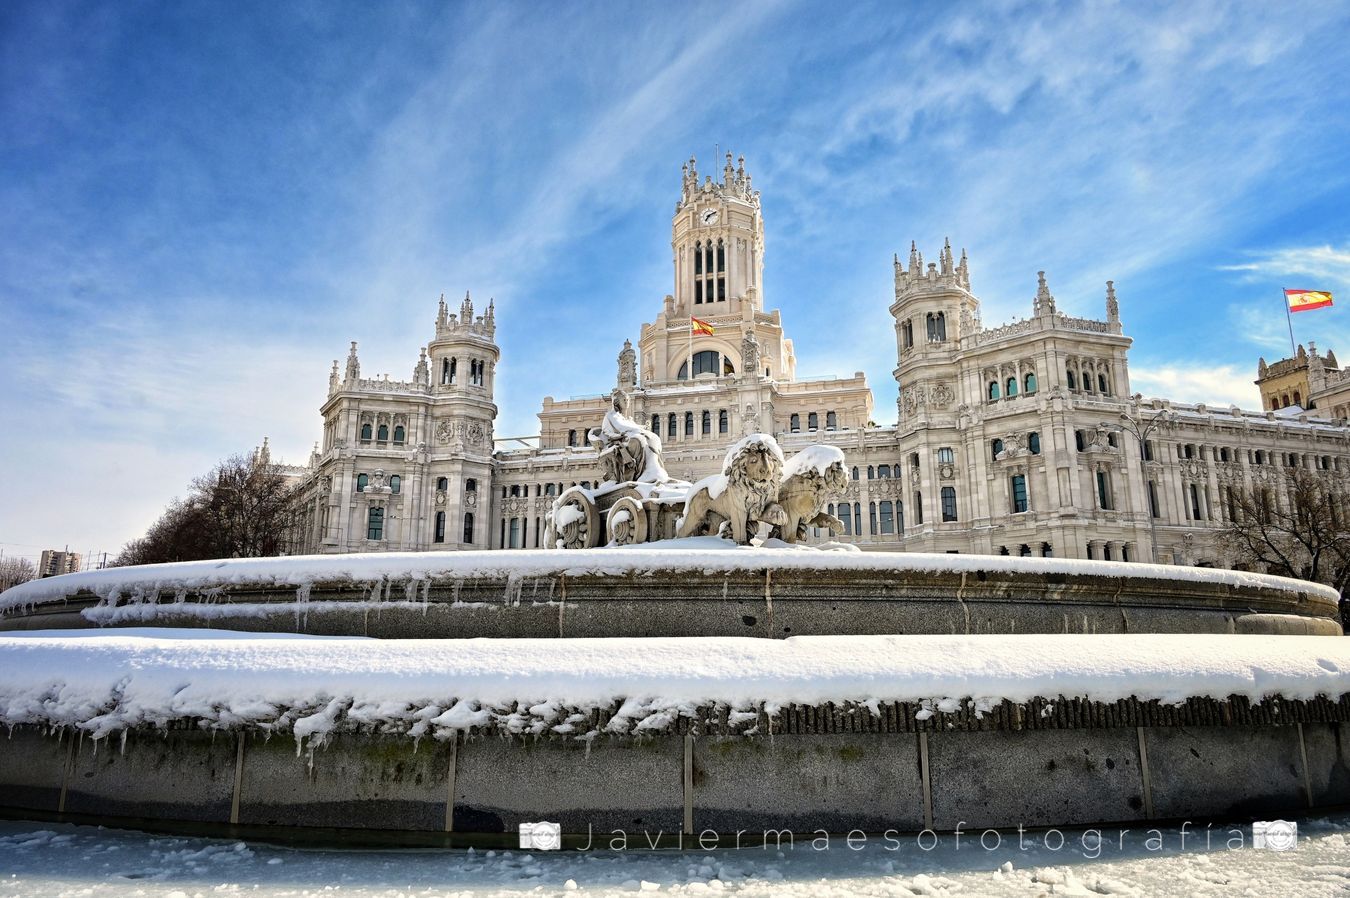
[638,501]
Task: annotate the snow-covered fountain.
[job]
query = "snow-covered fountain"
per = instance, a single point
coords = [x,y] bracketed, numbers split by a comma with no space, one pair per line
[687,671]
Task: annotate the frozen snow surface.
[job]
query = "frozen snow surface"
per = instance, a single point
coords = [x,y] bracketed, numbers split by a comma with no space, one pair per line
[702,554]
[61,861]
[105,681]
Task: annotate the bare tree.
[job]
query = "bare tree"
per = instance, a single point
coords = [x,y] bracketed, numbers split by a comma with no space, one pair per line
[240,509]
[1296,528]
[14,571]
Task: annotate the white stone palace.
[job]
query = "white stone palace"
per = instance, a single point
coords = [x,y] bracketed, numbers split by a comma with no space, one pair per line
[1020,439]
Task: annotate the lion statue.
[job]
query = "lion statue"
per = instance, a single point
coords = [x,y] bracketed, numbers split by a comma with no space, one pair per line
[810,479]
[742,496]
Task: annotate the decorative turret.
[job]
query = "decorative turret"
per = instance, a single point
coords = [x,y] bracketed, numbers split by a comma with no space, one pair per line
[422,373]
[442,314]
[1044,305]
[466,309]
[333,382]
[1112,307]
[717,240]
[944,274]
[627,366]
[353,367]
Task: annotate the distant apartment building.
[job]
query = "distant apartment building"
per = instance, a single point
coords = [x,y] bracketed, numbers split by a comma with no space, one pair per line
[55,562]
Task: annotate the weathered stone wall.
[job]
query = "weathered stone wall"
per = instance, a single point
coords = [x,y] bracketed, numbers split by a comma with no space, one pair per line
[737,603]
[826,768]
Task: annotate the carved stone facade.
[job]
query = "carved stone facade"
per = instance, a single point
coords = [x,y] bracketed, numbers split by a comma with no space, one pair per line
[1009,438]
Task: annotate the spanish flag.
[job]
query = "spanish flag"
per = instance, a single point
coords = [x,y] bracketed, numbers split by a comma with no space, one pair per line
[704,329]
[1303,300]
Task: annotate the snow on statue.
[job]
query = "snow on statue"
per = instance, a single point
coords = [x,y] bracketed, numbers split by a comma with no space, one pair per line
[742,495]
[626,450]
[811,478]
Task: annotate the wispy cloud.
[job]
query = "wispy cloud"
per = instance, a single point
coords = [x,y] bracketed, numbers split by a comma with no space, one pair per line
[1214,385]
[1326,265]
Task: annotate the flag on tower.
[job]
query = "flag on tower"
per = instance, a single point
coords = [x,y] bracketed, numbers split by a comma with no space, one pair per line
[1303,300]
[705,329]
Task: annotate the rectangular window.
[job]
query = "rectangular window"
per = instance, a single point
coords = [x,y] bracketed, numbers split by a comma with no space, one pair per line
[515,533]
[918,508]
[440,527]
[949,503]
[1104,491]
[1153,499]
[1019,493]
[946,456]
[1195,503]
[887,518]
[375,524]
[872,518]
[846,515]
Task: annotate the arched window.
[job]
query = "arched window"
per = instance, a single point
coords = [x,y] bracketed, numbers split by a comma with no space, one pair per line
[795,423]
[899,517]
[937,327]
[1101,386]
[442,483]
[723,421]
[672,427]
[698,257]
[1078,442]
[855,472]
[471,485]
[949,503]
[721,257]
[1034,443]
[1297,399]
[688,424]
[548,489]
[707,423]
[884,472]
[445,371]
[812,421]
[846,516]
[1073,380]
[383,433]
[468,528]
[831,421]
[571,437]
[375,524]
[871,472]
[656,424]
[439,533]
[993,390]
[996,447]
[395,483]
[400,434]
[365,431]
[454,371]
[1012,386]
[1029,383]
[515,491]
[946,455]
[362,481]
[705,362]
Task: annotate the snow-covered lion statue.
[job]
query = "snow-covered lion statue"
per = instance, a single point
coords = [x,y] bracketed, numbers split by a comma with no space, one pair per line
[811,478]
[741,496]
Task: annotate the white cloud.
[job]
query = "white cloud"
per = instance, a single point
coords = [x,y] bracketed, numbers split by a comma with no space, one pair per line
[1323,266]
[1214,385]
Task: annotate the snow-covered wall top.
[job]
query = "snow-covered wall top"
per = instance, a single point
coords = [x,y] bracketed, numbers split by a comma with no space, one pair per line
[104,682]
[702,554]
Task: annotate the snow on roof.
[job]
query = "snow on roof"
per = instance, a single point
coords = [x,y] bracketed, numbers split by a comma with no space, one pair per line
[708,554]
[102,681]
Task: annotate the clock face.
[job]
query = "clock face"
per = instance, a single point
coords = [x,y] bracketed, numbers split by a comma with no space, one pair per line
[709,216]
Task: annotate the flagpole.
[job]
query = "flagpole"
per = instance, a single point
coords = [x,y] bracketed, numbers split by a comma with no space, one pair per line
[690,360]
[1293,350]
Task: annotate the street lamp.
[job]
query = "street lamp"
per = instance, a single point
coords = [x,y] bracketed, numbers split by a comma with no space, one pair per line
[1132,426]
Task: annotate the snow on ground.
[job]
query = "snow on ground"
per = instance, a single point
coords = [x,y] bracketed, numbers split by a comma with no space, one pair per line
[62,861]
[707,554]
[110,680]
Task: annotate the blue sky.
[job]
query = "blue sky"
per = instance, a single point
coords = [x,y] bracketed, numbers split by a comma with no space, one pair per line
[202,203]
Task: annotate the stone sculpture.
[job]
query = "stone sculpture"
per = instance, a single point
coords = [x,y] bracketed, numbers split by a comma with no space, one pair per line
[627,451]
[810,479]
[744,494]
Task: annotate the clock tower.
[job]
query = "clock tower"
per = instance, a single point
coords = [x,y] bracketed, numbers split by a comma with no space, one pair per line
[717,239]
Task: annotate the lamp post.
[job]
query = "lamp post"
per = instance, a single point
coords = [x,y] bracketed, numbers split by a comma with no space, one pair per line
[1141,435]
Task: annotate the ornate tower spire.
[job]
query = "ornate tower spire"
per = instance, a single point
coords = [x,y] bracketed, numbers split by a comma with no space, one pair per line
[1045,303]
[422,372]
[353,373]
[333,381]
[947,266]
[1112,307]
[466,309]
[441,315]
[627,366]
